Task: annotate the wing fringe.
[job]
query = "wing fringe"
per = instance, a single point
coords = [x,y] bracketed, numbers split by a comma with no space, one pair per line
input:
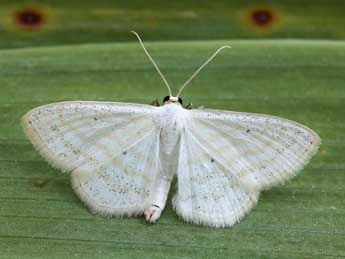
[199,219]
[34,138]
[302,163]
[98,209]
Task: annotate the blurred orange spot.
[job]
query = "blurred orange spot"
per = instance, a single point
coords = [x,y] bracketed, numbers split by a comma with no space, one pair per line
[30,18]
[262,18]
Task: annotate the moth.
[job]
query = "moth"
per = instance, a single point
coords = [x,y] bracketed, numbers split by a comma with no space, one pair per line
[124,156]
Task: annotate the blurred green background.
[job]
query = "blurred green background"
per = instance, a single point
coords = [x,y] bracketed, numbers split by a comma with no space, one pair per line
[288,59]
[56,22]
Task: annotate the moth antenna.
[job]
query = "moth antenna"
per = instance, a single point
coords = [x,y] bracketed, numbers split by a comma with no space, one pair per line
[199,69]
[153,62]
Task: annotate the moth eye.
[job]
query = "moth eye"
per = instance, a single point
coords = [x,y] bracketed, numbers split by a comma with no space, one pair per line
[166,98]
[212,160]
[248,130]
[124,152]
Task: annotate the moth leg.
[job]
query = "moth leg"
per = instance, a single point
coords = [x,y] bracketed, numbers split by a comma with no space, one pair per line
[158,200]
[189,106]
[155,103]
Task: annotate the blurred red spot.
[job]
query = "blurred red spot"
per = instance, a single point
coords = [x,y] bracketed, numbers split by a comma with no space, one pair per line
[29,18]
[262,17]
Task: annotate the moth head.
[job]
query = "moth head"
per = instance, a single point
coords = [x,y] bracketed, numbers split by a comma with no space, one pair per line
[172,99]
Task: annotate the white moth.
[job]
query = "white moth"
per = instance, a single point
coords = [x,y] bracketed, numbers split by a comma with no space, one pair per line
[123,157]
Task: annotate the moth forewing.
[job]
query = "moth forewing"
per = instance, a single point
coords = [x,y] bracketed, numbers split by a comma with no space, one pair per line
[264,150]
[106,146]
